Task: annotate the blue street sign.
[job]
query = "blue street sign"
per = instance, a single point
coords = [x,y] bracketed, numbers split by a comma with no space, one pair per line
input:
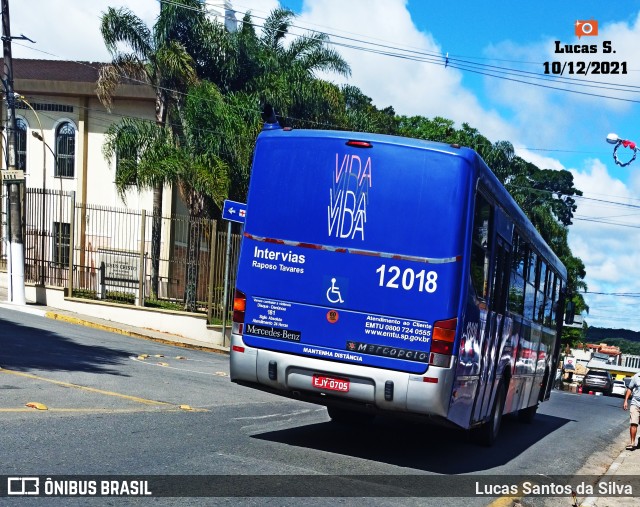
[234,211]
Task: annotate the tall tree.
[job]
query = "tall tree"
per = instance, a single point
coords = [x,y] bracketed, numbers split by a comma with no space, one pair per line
[146,152]
[159,58]
[286,72]
[546,196]
[362,115]
[225,125]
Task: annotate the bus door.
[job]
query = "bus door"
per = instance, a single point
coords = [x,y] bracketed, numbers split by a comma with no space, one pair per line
[500,268]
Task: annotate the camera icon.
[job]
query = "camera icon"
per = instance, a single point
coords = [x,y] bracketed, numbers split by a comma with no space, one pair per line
[586,27]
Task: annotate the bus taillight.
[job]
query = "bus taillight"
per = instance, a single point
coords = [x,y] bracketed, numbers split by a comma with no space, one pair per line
[445,330]
[444,334]
[239,306]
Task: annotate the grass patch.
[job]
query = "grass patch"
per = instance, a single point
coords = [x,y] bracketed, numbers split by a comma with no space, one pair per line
[164,305]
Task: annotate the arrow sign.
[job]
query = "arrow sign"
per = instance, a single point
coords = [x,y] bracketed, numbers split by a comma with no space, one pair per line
[234,211]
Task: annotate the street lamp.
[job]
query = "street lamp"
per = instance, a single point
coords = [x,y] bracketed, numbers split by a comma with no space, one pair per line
[40,138]
[614,139]
[44,181]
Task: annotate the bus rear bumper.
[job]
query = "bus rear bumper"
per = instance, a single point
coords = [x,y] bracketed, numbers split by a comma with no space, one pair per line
[370,389]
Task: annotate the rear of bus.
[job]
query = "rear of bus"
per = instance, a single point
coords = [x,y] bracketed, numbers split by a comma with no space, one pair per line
[350,279]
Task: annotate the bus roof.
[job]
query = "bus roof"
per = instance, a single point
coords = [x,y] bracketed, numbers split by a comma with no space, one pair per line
[499,193]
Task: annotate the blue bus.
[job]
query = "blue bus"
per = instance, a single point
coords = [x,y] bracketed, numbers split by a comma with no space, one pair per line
[387,275]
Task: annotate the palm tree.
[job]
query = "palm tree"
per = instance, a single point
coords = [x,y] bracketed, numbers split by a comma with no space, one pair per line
[286,75]
[158,59]
[146,153]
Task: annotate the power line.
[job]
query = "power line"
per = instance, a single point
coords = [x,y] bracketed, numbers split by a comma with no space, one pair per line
[435,59]
[630,226]
[463,65]
[444,60]
[440,57]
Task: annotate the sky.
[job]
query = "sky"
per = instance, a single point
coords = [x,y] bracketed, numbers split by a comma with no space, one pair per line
[482,63]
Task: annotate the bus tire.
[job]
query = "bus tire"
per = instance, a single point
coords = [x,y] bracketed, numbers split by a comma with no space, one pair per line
[487,433]
[342,416]
[526,415]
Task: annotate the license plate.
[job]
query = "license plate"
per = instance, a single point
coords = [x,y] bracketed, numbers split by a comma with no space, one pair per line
[330,383]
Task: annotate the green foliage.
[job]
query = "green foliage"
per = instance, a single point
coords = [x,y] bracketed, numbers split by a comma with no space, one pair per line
[597,334]
[164,305]
[224,127]
[546,196]
[138,145]
[285,74]
[572,336]
[223,79]
[362,116]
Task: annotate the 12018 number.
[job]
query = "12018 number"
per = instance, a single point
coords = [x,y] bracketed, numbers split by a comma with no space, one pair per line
[394,278]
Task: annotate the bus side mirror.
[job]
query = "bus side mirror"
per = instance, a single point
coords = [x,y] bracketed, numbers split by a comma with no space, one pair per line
[570,312]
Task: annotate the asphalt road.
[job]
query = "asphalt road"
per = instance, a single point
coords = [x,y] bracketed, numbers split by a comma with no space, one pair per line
[124,406]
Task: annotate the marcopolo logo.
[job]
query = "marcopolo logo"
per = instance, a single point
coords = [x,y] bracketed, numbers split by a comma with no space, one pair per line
[385,351]
[586,28]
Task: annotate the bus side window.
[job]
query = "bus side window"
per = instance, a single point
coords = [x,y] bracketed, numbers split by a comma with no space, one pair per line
[501,275]
[530,286]
[555,310]
[540,292]
[480,252]
[516,288]
[548,301]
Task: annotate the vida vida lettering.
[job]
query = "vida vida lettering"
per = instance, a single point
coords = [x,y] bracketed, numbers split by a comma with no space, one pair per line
[348,197]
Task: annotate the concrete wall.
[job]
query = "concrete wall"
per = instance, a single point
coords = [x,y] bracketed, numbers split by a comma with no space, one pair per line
[193,327]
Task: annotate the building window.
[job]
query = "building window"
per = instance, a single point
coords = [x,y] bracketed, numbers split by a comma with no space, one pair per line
[61,243]
[65,150]
[21,144]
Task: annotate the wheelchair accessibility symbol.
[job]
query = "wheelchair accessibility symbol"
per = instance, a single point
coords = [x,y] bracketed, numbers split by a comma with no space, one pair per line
[333,293]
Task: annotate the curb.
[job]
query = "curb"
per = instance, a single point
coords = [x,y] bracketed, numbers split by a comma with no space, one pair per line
[591,501]
[23,308]
[133,334]
[112,329]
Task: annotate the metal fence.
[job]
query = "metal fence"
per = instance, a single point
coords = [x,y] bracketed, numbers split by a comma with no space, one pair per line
[109,253]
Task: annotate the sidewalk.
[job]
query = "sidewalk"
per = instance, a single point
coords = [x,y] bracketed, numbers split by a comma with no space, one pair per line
[626,464]
[108,325]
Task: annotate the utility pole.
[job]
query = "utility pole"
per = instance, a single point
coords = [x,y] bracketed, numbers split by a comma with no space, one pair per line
[16,246]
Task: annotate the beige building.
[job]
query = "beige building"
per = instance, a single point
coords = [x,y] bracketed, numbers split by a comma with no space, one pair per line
[77,226]
[60,104]
[57,102]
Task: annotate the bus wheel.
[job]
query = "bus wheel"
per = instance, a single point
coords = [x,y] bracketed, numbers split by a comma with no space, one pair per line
[526,415]
[487,433]
[342,416]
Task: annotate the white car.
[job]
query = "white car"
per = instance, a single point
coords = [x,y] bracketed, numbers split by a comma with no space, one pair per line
[619,388]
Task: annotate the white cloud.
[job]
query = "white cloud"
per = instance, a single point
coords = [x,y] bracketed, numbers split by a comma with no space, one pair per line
[412,88]
[68,32]
[609,250]
[539,160]
[546,117]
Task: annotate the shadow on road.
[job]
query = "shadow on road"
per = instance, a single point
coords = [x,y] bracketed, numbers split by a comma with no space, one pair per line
[421,447]
[25,348]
